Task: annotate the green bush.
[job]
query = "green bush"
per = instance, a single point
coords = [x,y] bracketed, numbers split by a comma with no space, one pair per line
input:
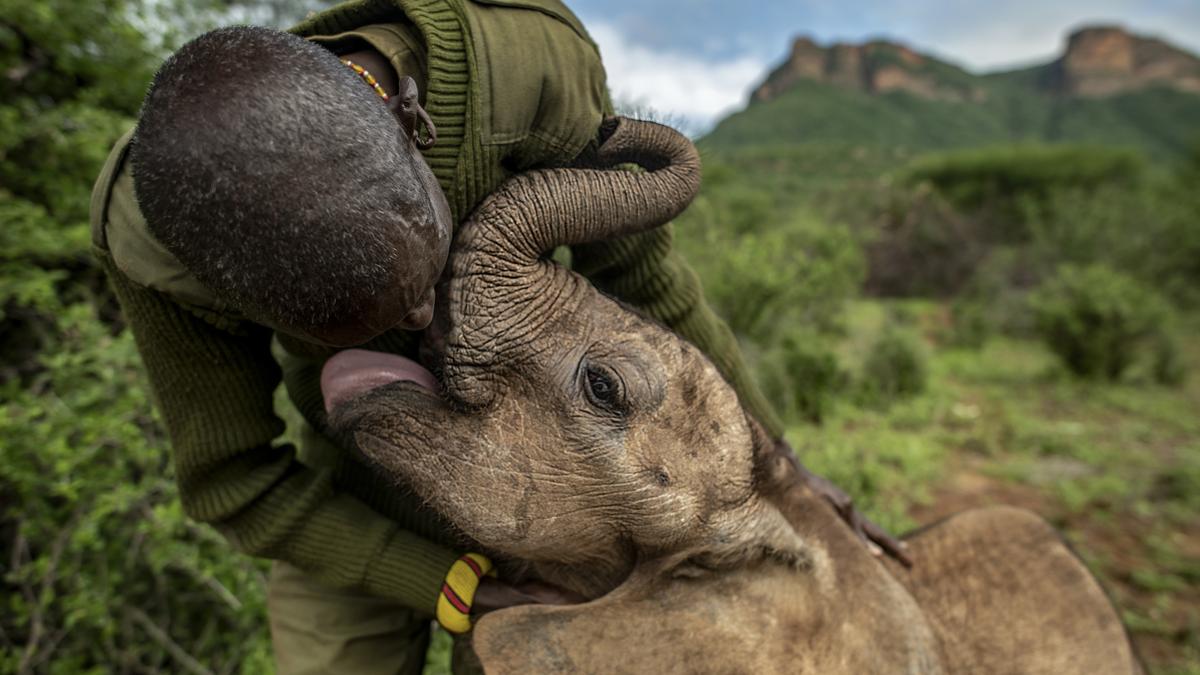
[802,377]
[971,324]
[1169,367]
[101,567]
[1100,322]
[791,273]
[921,245]
[895,368]
[995,299]
[1007,179]
[1148,230]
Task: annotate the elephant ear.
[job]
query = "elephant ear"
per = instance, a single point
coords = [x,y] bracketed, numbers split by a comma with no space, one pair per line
[650,624]
[1004,593]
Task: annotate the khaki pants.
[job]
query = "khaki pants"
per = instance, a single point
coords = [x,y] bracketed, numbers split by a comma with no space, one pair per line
[318,629]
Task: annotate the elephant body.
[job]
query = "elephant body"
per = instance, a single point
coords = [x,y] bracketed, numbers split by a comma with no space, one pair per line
[993,591]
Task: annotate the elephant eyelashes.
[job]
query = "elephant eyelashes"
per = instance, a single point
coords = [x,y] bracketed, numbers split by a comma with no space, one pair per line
[603,388]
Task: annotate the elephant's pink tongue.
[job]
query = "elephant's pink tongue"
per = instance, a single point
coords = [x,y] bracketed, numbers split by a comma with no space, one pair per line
[354,372]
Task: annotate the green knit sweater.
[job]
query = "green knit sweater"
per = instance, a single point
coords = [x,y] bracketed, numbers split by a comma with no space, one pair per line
[214,374]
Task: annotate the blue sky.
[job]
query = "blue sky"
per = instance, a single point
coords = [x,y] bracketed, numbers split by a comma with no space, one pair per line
[693,61]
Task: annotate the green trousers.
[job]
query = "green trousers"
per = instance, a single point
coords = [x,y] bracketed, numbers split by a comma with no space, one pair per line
[318,629]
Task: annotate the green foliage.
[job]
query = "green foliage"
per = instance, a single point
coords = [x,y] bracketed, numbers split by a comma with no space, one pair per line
[101,567]
[1168,367]
[816,112]
[973,178]
[1147,230]
[1005,188]
[971,324]
[920,245]
[895,368]
[767,274]
[1099,321]
[802,377]
[995,299]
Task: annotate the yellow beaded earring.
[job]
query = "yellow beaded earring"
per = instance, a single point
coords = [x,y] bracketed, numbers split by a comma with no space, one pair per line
[367,77]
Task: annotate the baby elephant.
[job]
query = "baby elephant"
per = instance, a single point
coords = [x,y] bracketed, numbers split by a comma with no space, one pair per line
[582,444]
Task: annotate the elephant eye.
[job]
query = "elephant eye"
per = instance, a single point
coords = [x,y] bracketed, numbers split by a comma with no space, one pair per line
[603,388]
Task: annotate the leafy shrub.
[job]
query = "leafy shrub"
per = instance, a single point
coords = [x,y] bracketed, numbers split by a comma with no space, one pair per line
[921,245]
[1007,180]
[101,568]
[1100,321]
[895,368]
[790,273]
[995,299]
[802,377]
[1147,230]
[1168,366]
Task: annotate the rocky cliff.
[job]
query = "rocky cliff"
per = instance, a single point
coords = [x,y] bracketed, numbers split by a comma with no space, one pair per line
[1106,60]
[1098,61]
[874,67]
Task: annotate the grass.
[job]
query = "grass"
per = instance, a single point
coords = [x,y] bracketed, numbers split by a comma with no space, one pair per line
[1115,467]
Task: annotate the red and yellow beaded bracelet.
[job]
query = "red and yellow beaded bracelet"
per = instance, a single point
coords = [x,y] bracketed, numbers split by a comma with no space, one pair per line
[458,592]
[367,77]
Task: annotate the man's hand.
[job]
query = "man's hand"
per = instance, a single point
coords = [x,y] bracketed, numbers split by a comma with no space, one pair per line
[876,539]
[494,594]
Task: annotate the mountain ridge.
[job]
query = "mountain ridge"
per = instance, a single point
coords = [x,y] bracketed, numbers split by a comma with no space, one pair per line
[1107,87]
[1097,61]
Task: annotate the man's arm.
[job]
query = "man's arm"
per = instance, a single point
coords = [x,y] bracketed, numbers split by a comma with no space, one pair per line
[215,392]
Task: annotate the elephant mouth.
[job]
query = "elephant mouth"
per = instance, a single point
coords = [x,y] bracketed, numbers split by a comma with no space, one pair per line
[354,372]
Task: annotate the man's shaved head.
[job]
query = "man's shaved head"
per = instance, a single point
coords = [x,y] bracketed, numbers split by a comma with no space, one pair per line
[287,187]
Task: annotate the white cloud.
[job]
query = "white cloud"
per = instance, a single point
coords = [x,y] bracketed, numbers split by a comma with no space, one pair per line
[686,90]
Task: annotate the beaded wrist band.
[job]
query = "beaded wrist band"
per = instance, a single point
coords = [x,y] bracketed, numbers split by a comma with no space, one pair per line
[458,592]
[367,77]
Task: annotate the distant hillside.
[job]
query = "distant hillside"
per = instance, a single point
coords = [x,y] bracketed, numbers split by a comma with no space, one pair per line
[1108,87]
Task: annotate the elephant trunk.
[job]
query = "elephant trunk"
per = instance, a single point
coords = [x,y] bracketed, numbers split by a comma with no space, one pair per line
[536,211]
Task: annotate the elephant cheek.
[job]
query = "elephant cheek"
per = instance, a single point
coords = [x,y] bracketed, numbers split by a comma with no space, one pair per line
[401,461]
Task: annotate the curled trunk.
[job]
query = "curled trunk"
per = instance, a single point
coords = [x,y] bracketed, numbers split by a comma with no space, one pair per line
[498,260]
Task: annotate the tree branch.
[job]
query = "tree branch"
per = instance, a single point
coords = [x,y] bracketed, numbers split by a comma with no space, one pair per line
[184,659]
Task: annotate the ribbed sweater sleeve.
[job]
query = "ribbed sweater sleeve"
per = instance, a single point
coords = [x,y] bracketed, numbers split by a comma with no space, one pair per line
[214,390]
[644,271]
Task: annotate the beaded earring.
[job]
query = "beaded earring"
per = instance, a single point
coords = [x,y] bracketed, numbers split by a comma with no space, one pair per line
[405,106]
[367,77]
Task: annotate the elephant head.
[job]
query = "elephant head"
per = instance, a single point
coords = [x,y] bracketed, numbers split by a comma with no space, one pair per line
[567,431]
